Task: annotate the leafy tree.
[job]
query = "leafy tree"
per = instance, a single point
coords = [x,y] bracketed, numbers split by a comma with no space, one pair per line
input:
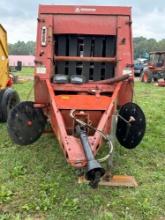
[143,46]
[22,48]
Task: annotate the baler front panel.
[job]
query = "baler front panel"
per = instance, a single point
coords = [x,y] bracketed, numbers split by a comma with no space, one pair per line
[85,24]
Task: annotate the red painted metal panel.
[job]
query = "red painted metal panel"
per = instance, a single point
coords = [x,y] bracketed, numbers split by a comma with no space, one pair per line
[88,24]
[82,102]
[86,87]
[124,44]
[79,9]
[44,54]
[126,93]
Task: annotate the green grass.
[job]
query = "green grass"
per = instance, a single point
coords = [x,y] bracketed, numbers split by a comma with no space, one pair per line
[37,183]
[26,71]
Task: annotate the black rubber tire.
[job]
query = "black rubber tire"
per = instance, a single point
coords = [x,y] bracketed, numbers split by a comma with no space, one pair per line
[9,98]
[155,79]
[130,136]
[146,77]
[142,77]
[25,123]
[141,72]
[1,95]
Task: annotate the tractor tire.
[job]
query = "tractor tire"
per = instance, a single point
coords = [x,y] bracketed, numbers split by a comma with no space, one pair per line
[1,95]
[8,99]
[155,79]
[146,77]
[26,123]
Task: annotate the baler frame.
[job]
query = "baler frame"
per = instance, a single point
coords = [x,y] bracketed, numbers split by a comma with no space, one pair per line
[60,88]
[70,141]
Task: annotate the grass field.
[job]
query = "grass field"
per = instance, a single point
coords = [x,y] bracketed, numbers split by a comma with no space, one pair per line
[37,183]
[26,71]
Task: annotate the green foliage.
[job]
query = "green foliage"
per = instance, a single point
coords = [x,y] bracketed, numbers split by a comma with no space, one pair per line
[143,46]
[26,71]
[5,194]
[22,48]
[18,170]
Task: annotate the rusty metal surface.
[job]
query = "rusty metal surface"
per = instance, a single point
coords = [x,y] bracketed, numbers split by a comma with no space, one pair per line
[117,180]
[114,80]
[85,59]
[86,87]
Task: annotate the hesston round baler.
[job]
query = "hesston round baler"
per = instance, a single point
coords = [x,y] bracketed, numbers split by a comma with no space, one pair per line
[155,70]
[83,86]
[8,97]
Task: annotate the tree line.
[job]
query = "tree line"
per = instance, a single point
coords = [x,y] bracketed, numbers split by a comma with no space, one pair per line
[142,47]
[22,48]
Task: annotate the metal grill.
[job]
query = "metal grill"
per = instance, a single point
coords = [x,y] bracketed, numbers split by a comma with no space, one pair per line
[85,46]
